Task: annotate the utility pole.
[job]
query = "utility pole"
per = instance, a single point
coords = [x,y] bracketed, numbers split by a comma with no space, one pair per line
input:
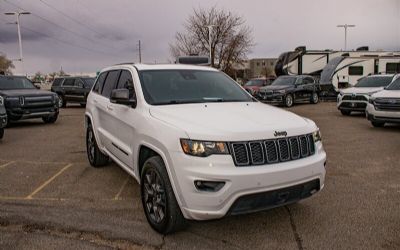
[140,52]
[210,28]
[21,58]
[345,26]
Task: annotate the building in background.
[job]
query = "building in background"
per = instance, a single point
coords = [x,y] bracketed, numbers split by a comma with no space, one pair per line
[255,68]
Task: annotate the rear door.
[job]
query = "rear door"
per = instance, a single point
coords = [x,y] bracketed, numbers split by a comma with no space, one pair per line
[79,90]
[105,126]
[308,87]
[67,86]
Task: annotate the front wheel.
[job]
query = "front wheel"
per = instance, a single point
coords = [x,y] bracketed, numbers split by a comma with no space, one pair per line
[289,101]
[314,98]
[1,133]
[50,119]
[158,199]
[62,103]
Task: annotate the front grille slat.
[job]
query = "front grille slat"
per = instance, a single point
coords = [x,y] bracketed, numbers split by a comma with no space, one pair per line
[272,151]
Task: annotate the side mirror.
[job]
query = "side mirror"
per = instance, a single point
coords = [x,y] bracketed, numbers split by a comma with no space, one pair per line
[121,96]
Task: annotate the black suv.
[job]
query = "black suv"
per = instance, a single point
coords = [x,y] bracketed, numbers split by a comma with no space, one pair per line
[3,117]
[22,100]
[72,89]
[287,90]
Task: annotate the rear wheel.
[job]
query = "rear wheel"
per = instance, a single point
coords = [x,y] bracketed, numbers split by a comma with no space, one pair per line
[345,112]
[377,124]
[314,98]
[289,101]
[95,156]
[158,199]
[1,133]
[50,119]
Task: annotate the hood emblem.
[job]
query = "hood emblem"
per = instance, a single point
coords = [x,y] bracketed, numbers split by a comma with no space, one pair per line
[280,133]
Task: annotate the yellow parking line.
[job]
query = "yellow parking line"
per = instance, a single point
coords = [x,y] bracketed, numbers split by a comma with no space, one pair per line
[7,164]
[117,196]
[47,182]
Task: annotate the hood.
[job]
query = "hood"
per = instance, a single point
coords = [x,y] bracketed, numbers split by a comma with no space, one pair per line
[252,87]
[355,90]
[276,87]
[232,121]
[387,94]
[25,92]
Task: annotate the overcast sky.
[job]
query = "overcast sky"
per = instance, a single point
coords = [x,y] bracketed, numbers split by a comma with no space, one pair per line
[100,33]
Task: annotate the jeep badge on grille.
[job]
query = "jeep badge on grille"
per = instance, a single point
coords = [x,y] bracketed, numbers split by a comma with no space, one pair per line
[280,133]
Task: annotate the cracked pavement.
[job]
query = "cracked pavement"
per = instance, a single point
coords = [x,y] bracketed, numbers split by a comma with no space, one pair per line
[51,198]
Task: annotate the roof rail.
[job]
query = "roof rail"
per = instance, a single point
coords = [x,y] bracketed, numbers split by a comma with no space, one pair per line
[124,63]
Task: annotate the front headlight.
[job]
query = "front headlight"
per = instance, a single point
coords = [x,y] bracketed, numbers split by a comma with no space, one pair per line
[1,101]
[317,136]
[203,148]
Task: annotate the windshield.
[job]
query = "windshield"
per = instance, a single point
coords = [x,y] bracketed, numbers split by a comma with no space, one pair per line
[284,80]
[89,81]
[374,81]
[8,82]
[161,87]
[394,85]
[257,83]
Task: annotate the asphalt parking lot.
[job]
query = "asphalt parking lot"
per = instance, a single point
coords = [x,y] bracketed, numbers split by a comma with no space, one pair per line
[51,198]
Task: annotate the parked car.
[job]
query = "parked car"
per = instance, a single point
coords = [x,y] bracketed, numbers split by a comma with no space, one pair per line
[197,144]
[23,100]
[288,90]
[3,117]
[356,98]
[384,106]
[254,85]
[72,89]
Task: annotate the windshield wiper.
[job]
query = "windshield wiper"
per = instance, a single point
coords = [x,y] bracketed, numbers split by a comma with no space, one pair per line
[171,102]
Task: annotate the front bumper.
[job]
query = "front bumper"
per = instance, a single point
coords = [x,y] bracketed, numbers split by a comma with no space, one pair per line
[24,113]
[280,179]
[3,121]
[271,98]
[381,116]
[352,105]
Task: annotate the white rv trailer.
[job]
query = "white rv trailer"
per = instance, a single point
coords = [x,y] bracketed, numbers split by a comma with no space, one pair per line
[345,71]
[312,62]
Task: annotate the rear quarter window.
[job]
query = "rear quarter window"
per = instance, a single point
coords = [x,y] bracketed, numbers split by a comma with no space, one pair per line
[57,82]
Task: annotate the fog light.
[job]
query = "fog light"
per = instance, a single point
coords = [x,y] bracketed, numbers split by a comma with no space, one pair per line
[209,186]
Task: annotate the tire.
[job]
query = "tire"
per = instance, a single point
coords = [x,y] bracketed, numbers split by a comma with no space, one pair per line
[1,133]
[377,124]
[345,112]
[289,100]
[159,203]
[62,103]
[50,119]
[314,98]
[95,156]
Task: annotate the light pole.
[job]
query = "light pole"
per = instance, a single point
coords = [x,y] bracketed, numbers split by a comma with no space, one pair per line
[21,58]
[345,26]
[210,28]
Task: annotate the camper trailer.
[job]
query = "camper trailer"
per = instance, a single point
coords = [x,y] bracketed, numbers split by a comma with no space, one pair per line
[312,62]
[345,71]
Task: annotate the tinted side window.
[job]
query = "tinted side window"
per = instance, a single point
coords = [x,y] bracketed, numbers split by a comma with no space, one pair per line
[392,68]
[356,70]
[110,83]
[79,83]
[308,80]
[126,82]
[100,82]
[57,81]
[69,82]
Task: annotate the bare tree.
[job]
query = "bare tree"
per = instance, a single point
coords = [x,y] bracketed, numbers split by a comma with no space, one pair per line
[5,64]
[231,39]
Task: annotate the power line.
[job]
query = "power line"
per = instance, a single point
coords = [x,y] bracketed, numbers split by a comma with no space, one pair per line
[70,18]
[62,27]
[62,41]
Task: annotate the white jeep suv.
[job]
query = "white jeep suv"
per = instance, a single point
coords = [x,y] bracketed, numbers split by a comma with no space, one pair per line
[384,106]
[356,98]
[199,145]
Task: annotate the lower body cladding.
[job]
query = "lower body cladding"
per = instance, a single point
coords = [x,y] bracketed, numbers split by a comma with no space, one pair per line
[358,106]
[212,187]
[390,116]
